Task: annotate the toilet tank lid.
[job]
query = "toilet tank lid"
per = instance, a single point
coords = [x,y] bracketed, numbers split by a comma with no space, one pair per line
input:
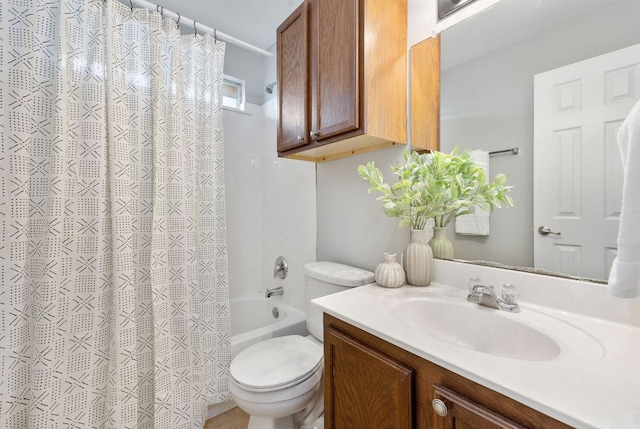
[339,274]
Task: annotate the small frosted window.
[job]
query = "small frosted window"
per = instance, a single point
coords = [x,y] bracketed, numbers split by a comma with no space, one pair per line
[233,93]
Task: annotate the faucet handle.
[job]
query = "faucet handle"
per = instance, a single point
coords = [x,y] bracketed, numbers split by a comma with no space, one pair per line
[473,281]
[281,268]
[509,293]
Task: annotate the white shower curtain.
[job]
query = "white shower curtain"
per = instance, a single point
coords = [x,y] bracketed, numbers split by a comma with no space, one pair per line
[114,309]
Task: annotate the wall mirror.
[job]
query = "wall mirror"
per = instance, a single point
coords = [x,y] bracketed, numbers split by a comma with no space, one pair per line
[488,64]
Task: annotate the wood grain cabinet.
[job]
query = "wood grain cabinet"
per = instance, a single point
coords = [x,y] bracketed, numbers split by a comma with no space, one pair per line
[342,78]
[370,383]
[366,388]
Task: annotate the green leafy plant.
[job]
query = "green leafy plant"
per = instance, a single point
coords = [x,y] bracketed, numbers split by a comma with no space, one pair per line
[436,185]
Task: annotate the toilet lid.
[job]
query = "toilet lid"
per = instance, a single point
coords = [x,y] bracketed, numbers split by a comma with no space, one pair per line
[276,362]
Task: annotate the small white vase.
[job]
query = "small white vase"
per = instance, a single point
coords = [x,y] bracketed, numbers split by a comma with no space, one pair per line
[440,244]
[418,259]
[389,273]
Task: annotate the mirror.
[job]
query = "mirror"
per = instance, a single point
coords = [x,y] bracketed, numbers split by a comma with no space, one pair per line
[487,66]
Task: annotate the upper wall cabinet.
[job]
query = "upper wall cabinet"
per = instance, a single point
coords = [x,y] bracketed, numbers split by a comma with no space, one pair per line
[342,78]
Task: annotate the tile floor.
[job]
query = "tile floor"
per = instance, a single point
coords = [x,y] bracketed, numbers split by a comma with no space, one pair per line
[235,418]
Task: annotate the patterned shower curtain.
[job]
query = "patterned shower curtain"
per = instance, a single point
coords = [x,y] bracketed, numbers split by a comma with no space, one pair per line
[113,295]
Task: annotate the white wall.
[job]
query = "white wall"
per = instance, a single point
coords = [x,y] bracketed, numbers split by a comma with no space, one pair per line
[288,213]
[352,227]
[243,174]
[271,202]
[271,208]
[248,66]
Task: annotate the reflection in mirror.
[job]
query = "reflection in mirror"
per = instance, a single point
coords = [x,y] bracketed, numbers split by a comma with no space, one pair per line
[487,102]
[447,7]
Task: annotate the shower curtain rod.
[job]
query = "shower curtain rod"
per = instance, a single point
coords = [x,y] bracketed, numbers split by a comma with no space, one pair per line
[199,27]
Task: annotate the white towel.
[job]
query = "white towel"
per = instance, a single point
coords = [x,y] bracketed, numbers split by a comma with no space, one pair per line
[624,279]
[476,223]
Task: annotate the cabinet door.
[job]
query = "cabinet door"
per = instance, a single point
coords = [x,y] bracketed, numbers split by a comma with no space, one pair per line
[364,388]
[463,413]
[336,45]
[293,80]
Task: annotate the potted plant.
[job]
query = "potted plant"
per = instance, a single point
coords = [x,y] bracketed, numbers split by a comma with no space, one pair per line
[436,185]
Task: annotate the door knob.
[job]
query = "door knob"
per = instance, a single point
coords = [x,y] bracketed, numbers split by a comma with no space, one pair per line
[543,230]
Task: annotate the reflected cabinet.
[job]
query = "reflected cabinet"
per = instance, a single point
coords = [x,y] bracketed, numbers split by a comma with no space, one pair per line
[370,383]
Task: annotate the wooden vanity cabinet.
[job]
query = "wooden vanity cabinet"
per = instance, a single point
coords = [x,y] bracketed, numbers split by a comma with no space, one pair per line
[367,389]
[370,383]
[342,78]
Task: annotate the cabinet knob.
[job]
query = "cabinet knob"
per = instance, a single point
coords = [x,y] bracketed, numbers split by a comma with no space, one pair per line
[313,134]
[439,407]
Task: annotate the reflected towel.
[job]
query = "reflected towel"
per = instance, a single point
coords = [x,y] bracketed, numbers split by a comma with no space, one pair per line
[476,223]
[624,279]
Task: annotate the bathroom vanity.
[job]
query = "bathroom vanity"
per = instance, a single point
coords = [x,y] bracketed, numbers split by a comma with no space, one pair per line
[425,357]
[371,383]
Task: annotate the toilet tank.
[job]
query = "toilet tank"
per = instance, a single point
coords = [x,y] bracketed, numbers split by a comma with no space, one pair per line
[325,278]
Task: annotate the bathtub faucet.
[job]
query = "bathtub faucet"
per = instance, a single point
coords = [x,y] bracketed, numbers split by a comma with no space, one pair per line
[276,291]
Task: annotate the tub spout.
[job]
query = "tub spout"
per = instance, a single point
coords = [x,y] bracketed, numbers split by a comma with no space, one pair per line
[276,291]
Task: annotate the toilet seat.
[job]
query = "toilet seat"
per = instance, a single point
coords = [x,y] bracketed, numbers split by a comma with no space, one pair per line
[276,364]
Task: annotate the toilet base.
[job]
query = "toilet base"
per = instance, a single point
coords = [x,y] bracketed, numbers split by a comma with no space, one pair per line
[256,422]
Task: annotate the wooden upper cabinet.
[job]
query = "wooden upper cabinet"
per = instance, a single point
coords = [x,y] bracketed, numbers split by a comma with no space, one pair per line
[293,78]
[335,70]
[351,75]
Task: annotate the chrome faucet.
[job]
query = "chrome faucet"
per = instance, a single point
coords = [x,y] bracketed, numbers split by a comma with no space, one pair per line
[486,295]
[276,291]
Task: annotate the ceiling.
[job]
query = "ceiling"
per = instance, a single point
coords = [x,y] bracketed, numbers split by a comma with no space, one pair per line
[252,21]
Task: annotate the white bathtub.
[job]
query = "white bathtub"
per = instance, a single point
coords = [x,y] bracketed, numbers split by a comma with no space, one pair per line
[253,319]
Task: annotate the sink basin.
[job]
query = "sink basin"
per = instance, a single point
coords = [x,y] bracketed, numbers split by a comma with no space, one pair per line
[480,328]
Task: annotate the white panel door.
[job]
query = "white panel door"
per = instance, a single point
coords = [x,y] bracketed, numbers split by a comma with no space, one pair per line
[578,110]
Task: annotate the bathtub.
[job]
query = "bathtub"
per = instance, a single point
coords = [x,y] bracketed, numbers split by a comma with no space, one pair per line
[255,318]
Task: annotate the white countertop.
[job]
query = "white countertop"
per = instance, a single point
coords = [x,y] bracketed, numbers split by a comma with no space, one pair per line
[586,386]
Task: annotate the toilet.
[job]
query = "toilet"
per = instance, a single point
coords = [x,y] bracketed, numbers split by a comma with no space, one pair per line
[278,381]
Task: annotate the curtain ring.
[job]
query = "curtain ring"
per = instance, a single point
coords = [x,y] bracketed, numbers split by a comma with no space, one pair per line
[178,22]
[131,3]
[215,35]
[162,11]
[195,29]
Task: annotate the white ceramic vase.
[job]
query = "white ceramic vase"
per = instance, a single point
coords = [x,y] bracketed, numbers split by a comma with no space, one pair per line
[440,244]
[389,273]
[418,259]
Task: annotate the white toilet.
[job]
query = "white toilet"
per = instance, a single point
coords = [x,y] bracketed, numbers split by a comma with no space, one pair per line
[278,381]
